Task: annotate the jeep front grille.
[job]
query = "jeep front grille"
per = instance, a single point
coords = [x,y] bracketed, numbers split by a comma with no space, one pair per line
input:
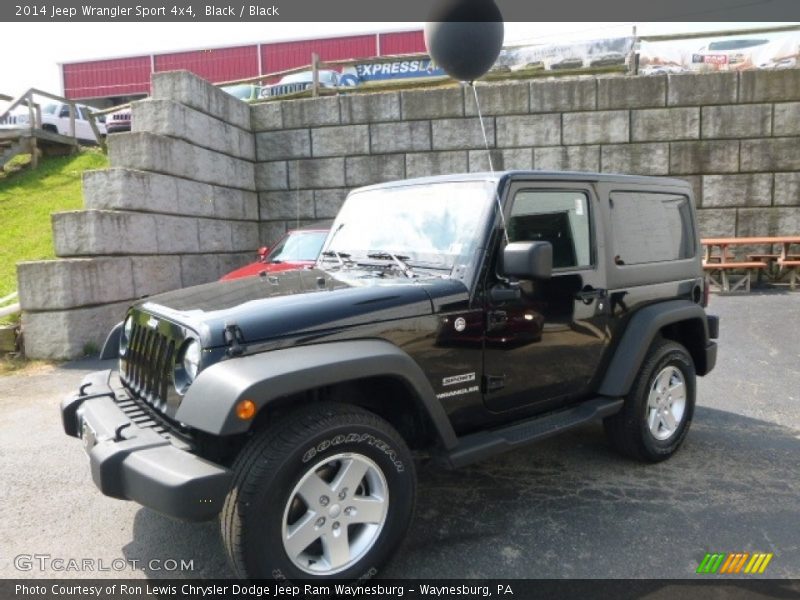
[281,89]
[148,365]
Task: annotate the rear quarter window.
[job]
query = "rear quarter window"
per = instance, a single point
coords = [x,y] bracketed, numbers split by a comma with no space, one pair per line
[651,227]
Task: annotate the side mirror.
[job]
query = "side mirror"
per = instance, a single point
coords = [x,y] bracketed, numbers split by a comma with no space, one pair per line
[528,260]
[263,251]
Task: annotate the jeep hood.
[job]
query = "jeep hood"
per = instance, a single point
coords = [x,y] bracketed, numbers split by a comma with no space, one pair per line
[297,302]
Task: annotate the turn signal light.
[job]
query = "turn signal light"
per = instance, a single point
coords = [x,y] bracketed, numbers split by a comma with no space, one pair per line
[246,410]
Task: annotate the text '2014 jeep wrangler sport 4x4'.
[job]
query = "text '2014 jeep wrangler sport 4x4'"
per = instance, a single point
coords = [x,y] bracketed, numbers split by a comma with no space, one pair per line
[290,404]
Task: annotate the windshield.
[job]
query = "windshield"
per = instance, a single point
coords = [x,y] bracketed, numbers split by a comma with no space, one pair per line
[432,224]
[300,245]
[242,92]
[50,109]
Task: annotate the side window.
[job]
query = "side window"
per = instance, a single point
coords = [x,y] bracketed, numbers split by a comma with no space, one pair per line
[651,227]
[558,217]
[64,111]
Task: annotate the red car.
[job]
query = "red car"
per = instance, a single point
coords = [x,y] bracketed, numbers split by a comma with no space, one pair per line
[295,250]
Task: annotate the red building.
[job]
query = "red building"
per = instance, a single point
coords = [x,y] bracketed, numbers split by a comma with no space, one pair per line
[116,80]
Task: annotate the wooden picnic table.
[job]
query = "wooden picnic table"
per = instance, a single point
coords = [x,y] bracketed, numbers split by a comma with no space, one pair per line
[722,243]
[724,261]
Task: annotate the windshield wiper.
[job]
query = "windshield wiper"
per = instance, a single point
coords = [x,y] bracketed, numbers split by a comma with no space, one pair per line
[340,256]
[399,260]
[330,253]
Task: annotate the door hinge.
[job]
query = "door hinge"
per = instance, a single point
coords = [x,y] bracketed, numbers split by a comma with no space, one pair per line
[496,319]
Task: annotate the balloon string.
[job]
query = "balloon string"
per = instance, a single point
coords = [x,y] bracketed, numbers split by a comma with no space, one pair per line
[297,193]
[483,128]
[491,166]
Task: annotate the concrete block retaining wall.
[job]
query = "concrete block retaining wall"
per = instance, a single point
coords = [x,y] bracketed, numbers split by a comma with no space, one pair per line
[178,207]
[204,178]
[734,136]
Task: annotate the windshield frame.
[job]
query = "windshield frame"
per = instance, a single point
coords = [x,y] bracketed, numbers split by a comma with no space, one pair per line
[462,265]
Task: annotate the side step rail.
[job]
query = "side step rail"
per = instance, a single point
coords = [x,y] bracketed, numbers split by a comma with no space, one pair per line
[483,444]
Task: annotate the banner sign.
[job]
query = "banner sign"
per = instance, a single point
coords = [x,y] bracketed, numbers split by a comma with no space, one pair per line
[414,68]
[777,50]
[559,57]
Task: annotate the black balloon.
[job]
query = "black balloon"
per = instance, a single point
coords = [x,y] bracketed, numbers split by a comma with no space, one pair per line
[464,37]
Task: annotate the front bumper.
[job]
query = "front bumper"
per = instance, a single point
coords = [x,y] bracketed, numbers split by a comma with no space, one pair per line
[130,460]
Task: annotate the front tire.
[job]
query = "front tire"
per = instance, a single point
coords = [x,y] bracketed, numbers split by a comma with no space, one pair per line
[326,492]
[658,410]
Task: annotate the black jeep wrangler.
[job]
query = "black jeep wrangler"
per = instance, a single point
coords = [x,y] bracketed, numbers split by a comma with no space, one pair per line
[448,317]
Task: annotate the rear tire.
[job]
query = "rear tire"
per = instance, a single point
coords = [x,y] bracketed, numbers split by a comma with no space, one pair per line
[325,492]
[658,410]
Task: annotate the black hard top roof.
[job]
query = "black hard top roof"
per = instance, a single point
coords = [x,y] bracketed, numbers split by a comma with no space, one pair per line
[537,176]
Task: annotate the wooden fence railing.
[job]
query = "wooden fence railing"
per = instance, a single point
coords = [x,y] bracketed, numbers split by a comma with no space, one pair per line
[35,112]
[10,309]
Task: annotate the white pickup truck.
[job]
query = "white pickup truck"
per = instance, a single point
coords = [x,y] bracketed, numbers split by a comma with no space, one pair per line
[55,118]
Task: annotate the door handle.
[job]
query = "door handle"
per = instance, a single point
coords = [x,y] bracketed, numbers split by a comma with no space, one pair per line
[588,294]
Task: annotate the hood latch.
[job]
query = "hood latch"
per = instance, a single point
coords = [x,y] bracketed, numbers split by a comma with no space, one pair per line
[234,338]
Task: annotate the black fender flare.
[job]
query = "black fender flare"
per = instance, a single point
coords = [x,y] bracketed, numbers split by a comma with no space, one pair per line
[111,345]
[209,403]
[639,334]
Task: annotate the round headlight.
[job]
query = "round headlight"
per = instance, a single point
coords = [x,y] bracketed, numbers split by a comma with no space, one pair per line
[191,360]
[125,335]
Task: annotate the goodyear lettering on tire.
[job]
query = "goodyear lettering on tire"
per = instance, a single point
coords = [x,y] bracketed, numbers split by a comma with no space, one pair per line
[355,438]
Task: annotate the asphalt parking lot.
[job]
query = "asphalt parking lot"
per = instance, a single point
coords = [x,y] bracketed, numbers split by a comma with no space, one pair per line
[567,507]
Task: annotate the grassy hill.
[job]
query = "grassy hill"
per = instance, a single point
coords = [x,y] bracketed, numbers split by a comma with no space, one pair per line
[27,198]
